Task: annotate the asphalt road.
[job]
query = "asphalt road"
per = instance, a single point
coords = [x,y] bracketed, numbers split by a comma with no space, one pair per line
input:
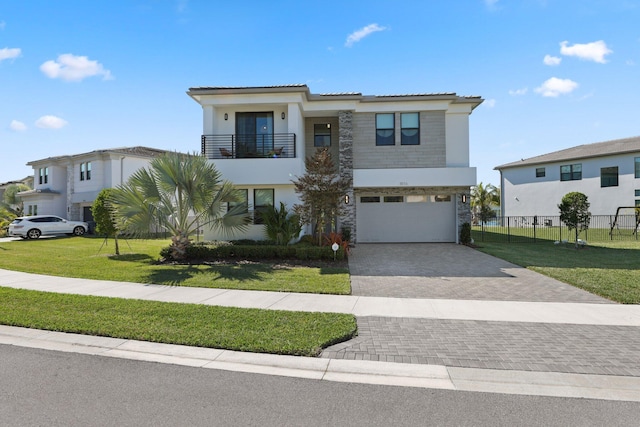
[39,387]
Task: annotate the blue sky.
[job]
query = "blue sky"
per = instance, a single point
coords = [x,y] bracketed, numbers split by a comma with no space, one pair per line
[77,76]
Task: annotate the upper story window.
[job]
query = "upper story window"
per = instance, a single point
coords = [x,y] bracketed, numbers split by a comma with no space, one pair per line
[322,135]
[609,177]
[540,172]
[43,175]
[410,123]
[85,171]
[385,129]
[637,160]
[571,172]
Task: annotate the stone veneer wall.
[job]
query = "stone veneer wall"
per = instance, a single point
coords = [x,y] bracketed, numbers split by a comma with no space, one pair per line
[431,153]
[73,209]
[348,219]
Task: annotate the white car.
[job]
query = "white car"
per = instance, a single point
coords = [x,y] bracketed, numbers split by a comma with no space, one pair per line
[32,227]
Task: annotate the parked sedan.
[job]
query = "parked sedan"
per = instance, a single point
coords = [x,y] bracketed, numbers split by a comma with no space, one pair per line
[32,227]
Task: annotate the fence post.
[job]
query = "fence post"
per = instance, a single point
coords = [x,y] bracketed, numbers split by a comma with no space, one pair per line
[509,229]
[535,222]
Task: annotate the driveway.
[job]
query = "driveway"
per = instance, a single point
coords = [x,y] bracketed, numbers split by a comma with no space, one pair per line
[451,271]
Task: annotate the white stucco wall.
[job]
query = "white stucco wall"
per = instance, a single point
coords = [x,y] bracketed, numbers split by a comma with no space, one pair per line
[523,194]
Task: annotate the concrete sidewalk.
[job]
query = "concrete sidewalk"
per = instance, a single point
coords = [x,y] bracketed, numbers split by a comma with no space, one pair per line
[421,374]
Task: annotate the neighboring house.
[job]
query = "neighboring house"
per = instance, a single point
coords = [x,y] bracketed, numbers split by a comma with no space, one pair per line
[608,173]
[406,156]
[28,181]
[67,185]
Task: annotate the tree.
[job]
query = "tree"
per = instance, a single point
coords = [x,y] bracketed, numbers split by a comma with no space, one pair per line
[11,198]
[321,191]
[104,216]
[483,199]
[280,226]
[179,193]
[574,211]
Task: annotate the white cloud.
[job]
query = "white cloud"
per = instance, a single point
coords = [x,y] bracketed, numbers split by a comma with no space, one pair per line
[51,122]
[491,4]
[555,87]
[551,60]
[74,68]
[8,53]
[594,51]
[519,92]
[17,126]
[489,103]
[358,35]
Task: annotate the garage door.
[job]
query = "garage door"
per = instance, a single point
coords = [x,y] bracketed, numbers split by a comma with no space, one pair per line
[408,218]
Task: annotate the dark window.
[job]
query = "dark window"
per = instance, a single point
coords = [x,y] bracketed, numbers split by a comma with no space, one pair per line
[254,134]
[540,172]
[88,171]
[393,199]
[385,129]
[609,177]
[243,200]
[82,169]
[262,200]
[44,175]
[370,199]
[443,198]
[637,161]
[322,135]
[637,193]
[571,172]
[410,128]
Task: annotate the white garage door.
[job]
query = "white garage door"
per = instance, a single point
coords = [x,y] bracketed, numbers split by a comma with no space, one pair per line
[406,218]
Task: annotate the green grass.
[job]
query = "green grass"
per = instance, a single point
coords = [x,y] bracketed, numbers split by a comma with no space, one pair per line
[85,257]
[252,330]
[609,269]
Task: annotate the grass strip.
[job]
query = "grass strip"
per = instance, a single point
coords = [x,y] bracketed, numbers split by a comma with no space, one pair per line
[241,329]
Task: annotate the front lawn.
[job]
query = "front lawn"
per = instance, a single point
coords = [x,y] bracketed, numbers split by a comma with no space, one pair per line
[241,329]
[86,257]
[609,269]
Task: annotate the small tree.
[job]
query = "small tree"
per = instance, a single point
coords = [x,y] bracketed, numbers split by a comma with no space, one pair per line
[574,211]
[11,198]
[483,199]
[280,226]
[321,190]
[104,217]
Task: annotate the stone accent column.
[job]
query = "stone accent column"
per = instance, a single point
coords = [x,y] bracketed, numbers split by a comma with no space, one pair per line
[70,171]
[345,166]
[463,209]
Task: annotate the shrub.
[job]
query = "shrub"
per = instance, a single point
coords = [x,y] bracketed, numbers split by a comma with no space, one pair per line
[465,233]
[256,252]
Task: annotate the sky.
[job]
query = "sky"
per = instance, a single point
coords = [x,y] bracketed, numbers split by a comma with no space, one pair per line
[77,76]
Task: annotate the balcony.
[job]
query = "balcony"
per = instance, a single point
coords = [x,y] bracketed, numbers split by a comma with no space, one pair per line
[278,145]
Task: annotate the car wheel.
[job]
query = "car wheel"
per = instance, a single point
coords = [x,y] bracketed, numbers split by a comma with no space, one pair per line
[34,233]
[78,231]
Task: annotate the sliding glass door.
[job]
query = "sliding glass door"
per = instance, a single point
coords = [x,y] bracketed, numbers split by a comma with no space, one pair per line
[254,133]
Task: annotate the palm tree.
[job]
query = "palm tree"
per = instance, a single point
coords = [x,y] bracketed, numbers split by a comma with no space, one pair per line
[178,193]
[483,199]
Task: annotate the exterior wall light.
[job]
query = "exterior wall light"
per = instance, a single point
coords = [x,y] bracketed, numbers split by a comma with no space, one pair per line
[226,116]
[464,198]
[346,199]
[282,115]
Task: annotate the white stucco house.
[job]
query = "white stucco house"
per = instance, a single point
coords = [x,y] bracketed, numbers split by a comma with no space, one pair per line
[406,156]
[608,173]
[67,185]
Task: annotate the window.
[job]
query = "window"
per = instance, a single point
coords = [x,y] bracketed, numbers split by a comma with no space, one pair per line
[44,175]
[609,177]
[443,198]
[85,171]
[540,172]
[322,135]
[393,199]
[637,161]
[410,128]
[30,210]
[243,200]
[417,199]
[82,167]
[370,199]
[262,199]
[88,171]
[385,129]
[571,172]
[637,193]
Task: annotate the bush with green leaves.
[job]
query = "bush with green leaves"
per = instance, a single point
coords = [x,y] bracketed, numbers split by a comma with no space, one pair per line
[280,225]
[574,211]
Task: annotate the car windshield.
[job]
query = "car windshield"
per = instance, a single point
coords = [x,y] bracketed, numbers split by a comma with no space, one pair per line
[16,221]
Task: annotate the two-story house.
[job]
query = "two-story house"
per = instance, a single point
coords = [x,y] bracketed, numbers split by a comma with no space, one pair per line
[608,173]
[406,156]
[67,185]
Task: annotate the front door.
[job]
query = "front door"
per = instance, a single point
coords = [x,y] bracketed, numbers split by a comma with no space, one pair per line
[254,134]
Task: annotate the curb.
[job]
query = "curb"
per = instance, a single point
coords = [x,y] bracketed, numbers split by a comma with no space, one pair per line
[554,384]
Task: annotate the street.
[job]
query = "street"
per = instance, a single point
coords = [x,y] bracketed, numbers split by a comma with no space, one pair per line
[40,387]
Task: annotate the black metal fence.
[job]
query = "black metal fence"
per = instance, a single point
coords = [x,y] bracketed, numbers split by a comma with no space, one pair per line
[277,145]
[522,229]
